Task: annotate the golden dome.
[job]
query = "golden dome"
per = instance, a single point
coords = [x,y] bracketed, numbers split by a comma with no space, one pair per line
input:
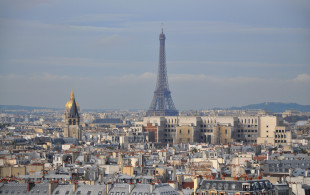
[69,103]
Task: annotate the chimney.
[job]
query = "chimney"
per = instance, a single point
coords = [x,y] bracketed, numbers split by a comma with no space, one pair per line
[174,185]
[290,171]
[131,187]
[51,187]
[108,187]
[30,185]
[152,187]
[75,186]
[196,183]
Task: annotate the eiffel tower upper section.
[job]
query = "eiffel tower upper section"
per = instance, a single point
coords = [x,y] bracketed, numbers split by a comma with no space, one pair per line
[162,104]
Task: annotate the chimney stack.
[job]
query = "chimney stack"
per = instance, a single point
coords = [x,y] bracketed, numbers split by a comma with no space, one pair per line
[51,187]
[75,186]
[30,185]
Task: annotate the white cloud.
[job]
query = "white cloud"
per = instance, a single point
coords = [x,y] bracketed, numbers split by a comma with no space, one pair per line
[241,64]
[302,78]
[135,90]
[60,61]
[102,17]
[74,62]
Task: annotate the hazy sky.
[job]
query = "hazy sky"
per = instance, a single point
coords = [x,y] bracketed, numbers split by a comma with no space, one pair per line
[219,53]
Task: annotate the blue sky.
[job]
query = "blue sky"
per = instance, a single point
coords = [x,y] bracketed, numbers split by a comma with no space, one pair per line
[219,53]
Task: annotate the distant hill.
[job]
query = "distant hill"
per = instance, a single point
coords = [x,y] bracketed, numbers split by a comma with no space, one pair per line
[274,107]
[18,107]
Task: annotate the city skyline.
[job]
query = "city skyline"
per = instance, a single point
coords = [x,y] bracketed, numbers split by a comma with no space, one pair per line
[218,54]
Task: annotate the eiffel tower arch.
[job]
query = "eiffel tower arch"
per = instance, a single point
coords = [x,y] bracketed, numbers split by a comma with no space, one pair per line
[162,103]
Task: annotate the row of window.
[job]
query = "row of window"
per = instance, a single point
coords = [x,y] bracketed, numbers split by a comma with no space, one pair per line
[204,126]
[280,136]
[249,131]
[170,130]
[242,135]
[248,121]
[206,130]
[289,164]
[247,141]
[280,131]
[188,131]
[280,141]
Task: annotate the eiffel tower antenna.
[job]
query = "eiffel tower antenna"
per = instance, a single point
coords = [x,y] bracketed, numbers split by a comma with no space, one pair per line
[162,27]
[162,104]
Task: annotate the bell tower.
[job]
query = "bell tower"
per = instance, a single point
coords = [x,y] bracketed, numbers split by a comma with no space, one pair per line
[72,119]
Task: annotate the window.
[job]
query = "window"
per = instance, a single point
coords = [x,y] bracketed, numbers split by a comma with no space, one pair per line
[89,192]
[226,131]
[188,131]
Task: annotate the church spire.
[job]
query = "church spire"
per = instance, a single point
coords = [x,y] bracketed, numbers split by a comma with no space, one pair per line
[71,95]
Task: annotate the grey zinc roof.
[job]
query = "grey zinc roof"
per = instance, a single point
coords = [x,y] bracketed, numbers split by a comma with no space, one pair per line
[63,189]
[141,188]
[57,176]
[41,189]
[120,189]
[188,191]
[13,188]
[90,190]
[164,189]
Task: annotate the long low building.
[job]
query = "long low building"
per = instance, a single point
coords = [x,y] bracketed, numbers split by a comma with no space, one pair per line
[267,129]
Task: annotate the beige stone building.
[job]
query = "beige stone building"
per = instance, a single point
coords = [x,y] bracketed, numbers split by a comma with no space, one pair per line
[225,134]
[248,129]
[184,134]
[272,131]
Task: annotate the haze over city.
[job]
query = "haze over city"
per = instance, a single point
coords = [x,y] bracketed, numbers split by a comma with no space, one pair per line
[219,53]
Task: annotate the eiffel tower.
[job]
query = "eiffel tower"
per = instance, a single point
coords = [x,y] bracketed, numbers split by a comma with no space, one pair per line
[162,104]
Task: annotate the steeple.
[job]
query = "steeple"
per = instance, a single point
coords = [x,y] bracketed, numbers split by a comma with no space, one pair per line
[74,112]
[71,95]
[72,119]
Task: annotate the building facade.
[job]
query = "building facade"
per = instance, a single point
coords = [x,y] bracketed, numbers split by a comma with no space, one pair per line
[218,129]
